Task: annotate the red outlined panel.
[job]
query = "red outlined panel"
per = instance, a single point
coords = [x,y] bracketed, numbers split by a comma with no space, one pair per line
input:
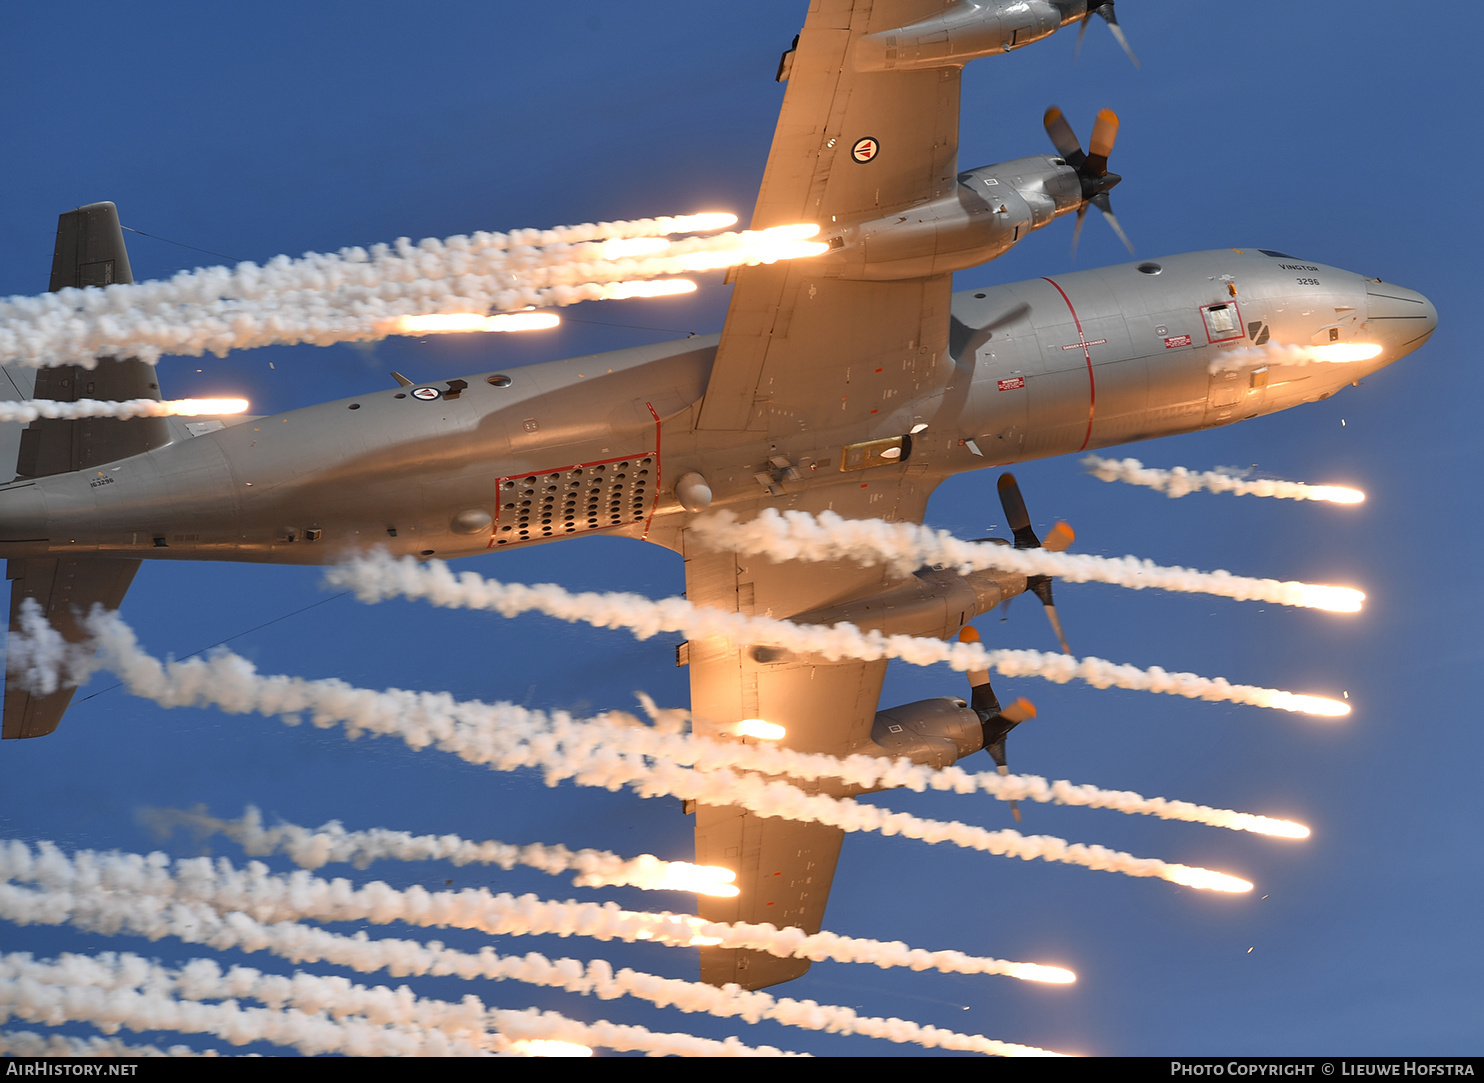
[565,500]
[1210,319]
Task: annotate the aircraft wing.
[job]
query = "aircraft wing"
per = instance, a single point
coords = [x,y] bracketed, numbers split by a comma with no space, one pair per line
[800,348]
[804,356]
[784,868]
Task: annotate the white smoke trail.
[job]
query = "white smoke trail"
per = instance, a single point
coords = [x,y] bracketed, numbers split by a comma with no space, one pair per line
[316,1014]
[198,923]
[379,577]
[797,535]
[1179,481]
[32,409]
[116,892]
[312,848]
[353,295]
[509,737]
[24,997]
[27,1043]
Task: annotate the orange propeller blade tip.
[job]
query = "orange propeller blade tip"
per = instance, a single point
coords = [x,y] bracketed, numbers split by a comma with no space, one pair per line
[1059,538]
[970,634]
[1025,705]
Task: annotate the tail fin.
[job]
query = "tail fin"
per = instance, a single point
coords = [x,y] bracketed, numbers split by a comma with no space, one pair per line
[90,252]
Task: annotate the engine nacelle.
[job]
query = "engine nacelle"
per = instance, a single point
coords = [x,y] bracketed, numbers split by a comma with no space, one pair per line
[933,602]
[988,211]
[965,31]
[934,732]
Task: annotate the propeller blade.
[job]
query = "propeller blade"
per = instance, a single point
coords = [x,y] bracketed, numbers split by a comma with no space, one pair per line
[1102,203]
[1004,771]
[1019,711]
[1081,33]
[1077,229]
[1015,514]
[982,698]
[1104,135]
[1040,586]
[1063,138]
[1056,627]
[1106,11]
[1059,539]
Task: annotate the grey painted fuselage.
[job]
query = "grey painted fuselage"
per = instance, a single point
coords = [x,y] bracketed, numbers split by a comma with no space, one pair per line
[1072,362]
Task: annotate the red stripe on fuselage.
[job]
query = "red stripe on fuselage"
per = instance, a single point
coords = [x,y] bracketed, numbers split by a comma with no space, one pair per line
[1092,388]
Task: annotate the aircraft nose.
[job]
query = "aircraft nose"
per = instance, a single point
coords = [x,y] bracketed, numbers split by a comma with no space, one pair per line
[1403,317]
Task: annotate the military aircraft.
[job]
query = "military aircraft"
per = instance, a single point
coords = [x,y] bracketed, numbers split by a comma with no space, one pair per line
[856,382]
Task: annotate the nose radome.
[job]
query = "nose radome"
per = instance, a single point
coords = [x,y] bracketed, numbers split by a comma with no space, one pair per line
[1404,316]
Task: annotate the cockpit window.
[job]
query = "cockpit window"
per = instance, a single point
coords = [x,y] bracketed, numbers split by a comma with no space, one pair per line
[1276,255]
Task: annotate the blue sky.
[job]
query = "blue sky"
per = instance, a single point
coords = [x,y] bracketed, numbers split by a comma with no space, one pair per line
[1328,133]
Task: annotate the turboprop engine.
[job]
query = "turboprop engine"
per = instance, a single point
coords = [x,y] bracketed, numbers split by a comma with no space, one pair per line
[989,210]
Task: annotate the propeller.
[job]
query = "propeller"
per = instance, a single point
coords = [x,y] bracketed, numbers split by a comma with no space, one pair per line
[1092,168]
[997,721]
[1106,11]
[1060,537]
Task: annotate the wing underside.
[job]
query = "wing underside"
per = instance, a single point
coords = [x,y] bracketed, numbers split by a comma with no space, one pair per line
[784,867]
[815,361]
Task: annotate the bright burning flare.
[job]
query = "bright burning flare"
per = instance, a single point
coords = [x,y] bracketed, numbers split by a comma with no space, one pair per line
[548,1047]
[1036,972]
[1301,704]
[660,287]
[1205,879]
[189,407]
[1340,352]
[702,879]
[1334,599]
[461,323]
[1283,829]
[1336,494]
[756,727]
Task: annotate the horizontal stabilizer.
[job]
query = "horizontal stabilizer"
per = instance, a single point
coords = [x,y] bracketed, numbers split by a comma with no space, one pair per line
[66,588]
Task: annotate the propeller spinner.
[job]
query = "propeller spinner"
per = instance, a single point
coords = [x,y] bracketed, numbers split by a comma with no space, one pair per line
[1060,537]
[997,721]
[1091,168]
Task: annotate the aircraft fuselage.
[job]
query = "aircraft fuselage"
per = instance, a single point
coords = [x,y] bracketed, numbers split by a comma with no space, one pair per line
[453,468]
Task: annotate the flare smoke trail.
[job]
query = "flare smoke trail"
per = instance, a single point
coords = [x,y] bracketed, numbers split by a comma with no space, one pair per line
[379,577]
[1180,482]
[315,1014]
[1281,354]
[797,535]
[27,1043]
[23,997]
[355,295]
[311,848]
[198,923]
[508,737]
[32,409]
[110,892]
